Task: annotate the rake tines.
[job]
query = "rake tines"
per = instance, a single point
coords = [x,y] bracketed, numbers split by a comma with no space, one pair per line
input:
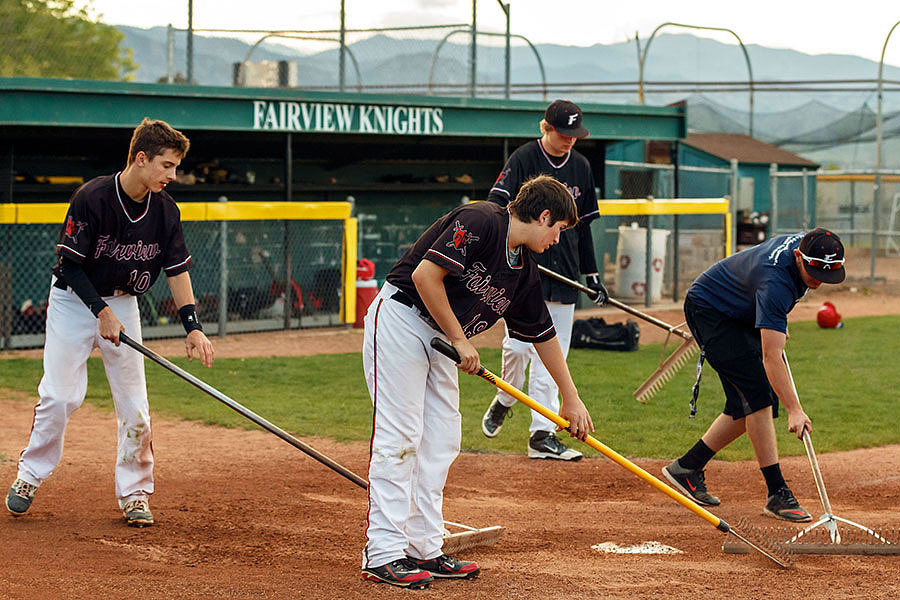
[818,541]
[666,370]
[761,540]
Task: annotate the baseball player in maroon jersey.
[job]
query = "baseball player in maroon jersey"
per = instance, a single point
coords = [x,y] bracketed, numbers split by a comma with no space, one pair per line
[469,269]
[119,232]
[553,155]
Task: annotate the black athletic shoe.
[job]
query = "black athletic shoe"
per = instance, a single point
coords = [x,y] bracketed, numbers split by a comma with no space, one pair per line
[402,573]
[447,567]
[545,444]
[492,421]
[690,483]
[783,505]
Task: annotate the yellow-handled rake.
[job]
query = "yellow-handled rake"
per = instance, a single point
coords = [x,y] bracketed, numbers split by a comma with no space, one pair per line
[778,556]
[668,365]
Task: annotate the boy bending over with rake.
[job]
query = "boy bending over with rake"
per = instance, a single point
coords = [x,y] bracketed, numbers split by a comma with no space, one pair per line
[737,311]
[461,276]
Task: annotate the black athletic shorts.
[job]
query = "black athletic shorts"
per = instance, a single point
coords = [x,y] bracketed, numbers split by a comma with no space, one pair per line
[734,350]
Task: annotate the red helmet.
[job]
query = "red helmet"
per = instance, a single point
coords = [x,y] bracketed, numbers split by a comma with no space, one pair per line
[828,316]
[365,269]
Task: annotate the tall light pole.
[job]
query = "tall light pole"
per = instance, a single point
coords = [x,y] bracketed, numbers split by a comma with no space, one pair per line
[642,58]
[877,190]
[505,8]
[473,51]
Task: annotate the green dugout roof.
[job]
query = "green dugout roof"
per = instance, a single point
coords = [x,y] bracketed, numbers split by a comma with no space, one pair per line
[78,103]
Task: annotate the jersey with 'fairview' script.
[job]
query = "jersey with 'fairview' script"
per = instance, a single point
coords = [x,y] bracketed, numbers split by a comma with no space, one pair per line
[482,286]
[122,244]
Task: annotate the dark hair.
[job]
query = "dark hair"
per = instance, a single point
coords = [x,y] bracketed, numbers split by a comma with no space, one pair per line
[155,137]
[541,193]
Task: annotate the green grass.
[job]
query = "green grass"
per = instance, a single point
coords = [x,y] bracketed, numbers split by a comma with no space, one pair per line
[847,380]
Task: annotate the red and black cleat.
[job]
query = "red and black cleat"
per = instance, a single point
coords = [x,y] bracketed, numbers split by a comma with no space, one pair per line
[401,573]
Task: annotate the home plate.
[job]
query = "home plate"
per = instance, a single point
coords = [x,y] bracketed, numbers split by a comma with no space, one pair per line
[642,548]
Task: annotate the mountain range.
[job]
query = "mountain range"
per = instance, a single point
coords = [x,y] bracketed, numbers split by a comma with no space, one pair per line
[828,126]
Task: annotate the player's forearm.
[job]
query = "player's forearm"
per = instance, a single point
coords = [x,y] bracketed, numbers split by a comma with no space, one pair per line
[552,357]
[776,371]
[182,291]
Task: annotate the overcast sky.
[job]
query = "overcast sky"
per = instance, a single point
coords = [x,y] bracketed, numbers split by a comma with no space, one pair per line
[858,28]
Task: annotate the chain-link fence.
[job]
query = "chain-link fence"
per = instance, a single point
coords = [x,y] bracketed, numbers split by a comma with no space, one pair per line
[681,246]
[845,203]
[248,275]
[793,195]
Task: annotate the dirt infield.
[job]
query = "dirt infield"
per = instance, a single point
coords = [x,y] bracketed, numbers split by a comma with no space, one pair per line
[240,514]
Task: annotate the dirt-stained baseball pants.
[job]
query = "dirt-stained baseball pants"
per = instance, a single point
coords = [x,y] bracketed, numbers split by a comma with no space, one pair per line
[72,333]
[415,434]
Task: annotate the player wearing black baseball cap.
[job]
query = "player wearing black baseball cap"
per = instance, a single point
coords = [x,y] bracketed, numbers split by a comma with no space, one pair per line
[737,311]
[552,154]
[822,255]
[565,118]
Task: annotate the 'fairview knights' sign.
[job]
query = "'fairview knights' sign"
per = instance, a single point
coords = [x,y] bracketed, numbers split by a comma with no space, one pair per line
[347,118]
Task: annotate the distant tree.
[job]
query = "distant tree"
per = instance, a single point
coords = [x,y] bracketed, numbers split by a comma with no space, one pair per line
[54,38]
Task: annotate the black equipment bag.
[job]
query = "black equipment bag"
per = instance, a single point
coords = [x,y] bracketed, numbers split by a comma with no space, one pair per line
[595,333]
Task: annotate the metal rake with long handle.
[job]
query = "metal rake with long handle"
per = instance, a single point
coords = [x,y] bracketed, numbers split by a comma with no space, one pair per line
[829,520]
[779,556]
[668,365]
[470,537]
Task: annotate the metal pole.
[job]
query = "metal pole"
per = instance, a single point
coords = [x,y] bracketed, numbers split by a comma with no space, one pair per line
[648,260]
[773,192]
[170,53]
[643,57]
[342,67]
[676,172]
[852,212]
[288,193]
[877,190]
[805,191]
[223,273]
[472,53]
[190,43]
[735,191]
[505,8]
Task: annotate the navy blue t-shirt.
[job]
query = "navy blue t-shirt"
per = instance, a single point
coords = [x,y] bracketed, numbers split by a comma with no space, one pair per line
[759,285]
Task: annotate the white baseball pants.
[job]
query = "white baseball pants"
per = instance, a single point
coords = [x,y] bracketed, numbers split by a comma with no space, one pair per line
[541,387]
[415,434]
[72,333]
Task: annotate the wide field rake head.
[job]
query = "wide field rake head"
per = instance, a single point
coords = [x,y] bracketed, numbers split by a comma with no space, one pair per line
[668,366]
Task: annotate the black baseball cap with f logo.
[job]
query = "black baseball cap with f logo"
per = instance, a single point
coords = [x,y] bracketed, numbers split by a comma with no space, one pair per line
[565,118]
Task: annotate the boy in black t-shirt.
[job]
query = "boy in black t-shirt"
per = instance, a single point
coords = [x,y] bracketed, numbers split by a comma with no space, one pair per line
[462,275]
[120,231]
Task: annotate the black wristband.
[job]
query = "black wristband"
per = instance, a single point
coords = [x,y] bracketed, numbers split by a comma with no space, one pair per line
[189,319]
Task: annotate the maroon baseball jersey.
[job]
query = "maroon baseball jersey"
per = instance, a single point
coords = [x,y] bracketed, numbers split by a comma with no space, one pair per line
[482,286]
[122,244]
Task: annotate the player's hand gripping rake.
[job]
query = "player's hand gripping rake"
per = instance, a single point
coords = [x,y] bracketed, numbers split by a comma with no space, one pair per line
[779,557]
[668,365]
[452,542]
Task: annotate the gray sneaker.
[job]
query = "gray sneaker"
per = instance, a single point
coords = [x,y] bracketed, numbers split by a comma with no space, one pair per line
[690,483]
[492,421]
[545,444]
[137,514]
[19,498]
